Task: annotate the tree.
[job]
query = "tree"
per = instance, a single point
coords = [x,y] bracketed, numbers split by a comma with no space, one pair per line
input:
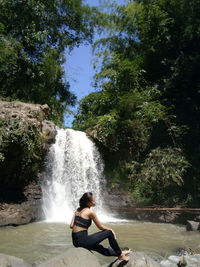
[33,37]
[149,69]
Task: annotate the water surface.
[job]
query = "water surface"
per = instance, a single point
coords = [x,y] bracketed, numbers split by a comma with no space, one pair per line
[40,241]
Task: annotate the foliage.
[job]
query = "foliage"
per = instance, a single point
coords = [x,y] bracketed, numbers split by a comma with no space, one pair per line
[159,175]
[149,73]
[33,38]
[21,149]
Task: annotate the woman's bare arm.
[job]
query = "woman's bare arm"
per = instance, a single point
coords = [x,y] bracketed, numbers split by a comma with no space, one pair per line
[72,221]
[95,219]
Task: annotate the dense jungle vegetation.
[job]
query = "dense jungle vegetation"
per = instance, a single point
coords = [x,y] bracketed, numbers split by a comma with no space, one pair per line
[145,110]
[33,38]
[34,35]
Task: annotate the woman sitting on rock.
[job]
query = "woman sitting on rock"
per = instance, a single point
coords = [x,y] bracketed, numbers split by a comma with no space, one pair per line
[80,223]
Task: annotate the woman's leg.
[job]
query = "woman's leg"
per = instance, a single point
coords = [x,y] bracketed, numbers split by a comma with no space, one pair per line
[94,239]
[104,251]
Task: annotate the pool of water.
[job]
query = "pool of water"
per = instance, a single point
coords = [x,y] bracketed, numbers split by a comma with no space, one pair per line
[40,241]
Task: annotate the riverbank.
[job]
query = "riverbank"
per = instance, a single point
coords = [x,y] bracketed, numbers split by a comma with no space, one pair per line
[31,211]
[160,215]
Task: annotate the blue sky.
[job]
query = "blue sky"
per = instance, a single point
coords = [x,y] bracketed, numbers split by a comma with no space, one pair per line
[78,68]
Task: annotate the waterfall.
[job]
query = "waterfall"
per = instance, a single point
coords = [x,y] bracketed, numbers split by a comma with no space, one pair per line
[73,166]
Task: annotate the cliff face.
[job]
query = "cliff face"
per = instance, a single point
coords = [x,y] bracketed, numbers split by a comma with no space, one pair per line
[25,134]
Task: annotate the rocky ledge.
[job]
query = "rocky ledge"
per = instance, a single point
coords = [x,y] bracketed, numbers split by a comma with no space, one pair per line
[21,159]
[79,257]
[25,212]
[34,114]
[185,216]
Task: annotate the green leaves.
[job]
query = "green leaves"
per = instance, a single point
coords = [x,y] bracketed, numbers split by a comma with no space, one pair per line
[157,178]
[149,73]
[33,37]
[21,154]
[163,167]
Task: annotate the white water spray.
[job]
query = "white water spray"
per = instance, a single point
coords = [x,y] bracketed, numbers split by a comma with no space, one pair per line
[73,166]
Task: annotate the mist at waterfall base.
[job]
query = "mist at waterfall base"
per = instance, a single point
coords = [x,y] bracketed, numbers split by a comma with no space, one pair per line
[73,166]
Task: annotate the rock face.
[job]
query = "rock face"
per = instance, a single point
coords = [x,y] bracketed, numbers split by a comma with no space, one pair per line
[137,259]
[22,125]
[74,257]
[49,132]
[26,212]
[18,214]
[156,215]
[33,114]
[24,111]
[11,261]
[113,195]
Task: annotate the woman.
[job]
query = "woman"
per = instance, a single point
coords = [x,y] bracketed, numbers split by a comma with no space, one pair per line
[80,223]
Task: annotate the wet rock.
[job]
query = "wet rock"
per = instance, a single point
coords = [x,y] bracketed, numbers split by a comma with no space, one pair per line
[48,131]
[112,195]
[192,226]
[194,251]
[13,175]
[191,261]
[11,261]
[18,214]
[74,257]
[33,191]
[137,259]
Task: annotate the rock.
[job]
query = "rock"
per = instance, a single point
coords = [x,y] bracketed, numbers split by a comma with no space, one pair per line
[17,109]
[137,259]
[32,114]
[192,226]
[111,197]
[18,214]
[33,191]
[74,257]
[11,261]
[48,131]
[182,262]
[191,260]
[194,251]
[15,175]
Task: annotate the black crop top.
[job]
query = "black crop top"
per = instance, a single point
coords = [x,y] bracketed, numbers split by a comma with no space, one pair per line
[82,222]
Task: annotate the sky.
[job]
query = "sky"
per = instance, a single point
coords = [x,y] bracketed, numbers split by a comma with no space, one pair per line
[78,68]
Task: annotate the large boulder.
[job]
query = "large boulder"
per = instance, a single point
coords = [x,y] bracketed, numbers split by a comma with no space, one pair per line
[49,132]
[11,261]
[31,114]
[111,197]
[26,135]
[18,214]
[137,259]
[24,111]
[74,257]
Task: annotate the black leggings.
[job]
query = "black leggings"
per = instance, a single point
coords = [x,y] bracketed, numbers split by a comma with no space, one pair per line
[91,242]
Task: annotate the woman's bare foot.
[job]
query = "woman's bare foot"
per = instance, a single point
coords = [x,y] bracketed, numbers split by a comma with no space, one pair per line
[126,251]
[124,255]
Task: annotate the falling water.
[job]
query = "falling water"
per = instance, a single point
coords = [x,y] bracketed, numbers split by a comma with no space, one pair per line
[73,166]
